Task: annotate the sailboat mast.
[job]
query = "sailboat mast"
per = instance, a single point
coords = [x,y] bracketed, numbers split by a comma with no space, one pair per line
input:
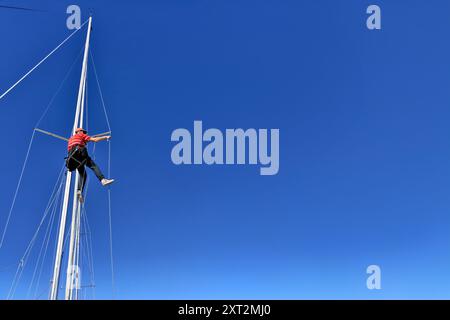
[72,267]
[59,249]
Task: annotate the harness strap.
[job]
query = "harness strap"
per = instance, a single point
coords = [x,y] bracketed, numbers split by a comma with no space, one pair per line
[70,157]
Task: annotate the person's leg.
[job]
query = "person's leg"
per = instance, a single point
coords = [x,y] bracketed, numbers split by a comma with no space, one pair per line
[79,160]
[93,166]
[83,176]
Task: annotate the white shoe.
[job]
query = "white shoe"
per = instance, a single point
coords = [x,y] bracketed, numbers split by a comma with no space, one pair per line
[106,182]
[80,196]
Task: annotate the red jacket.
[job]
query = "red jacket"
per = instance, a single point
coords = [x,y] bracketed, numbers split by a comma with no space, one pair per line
[79,139]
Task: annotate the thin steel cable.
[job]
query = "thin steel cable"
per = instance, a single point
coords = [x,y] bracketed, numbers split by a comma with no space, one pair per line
[23,260]
[88,227]
[111,245]
[17,190]
[40,62]
[41,250]
[109,175]
[100,90]
[87,251]
[45,243]
[38,281]
[88,235]
[29,148]
[59,88]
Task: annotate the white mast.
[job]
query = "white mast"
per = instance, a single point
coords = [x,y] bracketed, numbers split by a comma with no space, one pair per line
[78,122]
[72,266]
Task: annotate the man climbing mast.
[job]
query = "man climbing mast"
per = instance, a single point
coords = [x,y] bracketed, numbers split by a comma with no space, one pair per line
[78,158]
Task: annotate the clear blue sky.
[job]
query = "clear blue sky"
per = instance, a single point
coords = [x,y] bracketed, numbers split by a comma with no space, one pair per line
[364,145]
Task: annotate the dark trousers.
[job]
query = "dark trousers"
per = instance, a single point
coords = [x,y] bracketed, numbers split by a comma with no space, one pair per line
[78,158]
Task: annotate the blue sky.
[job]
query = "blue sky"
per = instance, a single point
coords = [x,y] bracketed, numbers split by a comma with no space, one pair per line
[364,145]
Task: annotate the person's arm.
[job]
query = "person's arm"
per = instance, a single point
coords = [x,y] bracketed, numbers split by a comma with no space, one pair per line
[97,139]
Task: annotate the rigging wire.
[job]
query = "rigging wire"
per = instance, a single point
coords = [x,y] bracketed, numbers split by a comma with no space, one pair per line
[45,244]
[57,209]
[59,89]
[40,62]
[100,91]
[22,262]
[55,196]
[89,237]
[29,148]
[41,257]
[66,240]
[110,227]
[109,175]
[19,8]
[86,235]
[89,256]
[17,189]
